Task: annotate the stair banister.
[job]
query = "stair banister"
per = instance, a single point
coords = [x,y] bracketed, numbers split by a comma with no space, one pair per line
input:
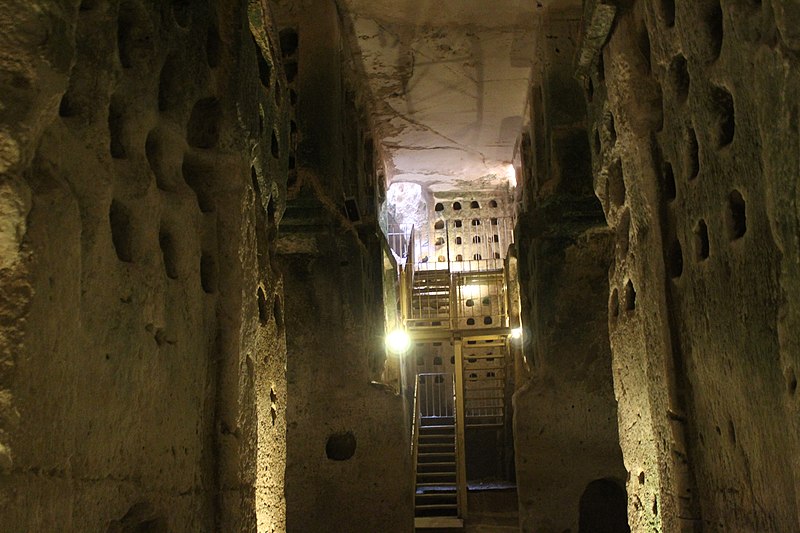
[459,420]
[415,431]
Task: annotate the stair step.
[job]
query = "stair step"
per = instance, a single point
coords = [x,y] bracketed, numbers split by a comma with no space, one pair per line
[439,467]
[438,522]
[440,494]
[438,506]
[437,485]
[476,367]
[439,463]
[421,290]
[437,440]
[450,478]
[444,498]
[468,398]
[482,344]
[429,453]
[437,435]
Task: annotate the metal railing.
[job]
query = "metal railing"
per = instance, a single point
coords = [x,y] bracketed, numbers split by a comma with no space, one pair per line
[436,395]
[460,300]
[415,433]
[399,238]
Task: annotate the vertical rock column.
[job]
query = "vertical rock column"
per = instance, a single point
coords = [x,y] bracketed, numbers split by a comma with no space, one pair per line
[565,431]
[348,463]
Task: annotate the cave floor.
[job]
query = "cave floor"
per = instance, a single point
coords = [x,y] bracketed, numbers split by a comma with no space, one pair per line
[492,509]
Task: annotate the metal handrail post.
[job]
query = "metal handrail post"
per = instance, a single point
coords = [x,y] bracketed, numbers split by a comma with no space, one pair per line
[415,435]
[458,403]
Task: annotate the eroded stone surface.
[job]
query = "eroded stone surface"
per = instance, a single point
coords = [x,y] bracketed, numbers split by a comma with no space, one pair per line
[700,298]
[348,465]
[140,386]
[565,421]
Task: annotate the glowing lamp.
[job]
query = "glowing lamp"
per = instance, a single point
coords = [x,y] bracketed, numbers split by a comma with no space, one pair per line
[398,341]
[516,333]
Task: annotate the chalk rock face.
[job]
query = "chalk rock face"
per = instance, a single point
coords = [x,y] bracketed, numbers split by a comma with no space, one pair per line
[195,291]
[142,369]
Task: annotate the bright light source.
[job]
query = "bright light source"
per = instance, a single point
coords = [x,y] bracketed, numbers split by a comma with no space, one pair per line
[470,291]
[516,333]
[398,341]
[511,174]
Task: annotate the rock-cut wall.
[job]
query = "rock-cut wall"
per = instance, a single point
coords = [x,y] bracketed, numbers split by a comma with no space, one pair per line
[570,475]
[695,139]
[142,359]
[348,466]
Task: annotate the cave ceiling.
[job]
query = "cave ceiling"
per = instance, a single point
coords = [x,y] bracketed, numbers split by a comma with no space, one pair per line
[448,79]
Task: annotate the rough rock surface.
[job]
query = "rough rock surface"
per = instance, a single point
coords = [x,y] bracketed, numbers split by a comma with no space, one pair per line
[348,463]
[695,139]
[565,421]
[448,81]
[142,383]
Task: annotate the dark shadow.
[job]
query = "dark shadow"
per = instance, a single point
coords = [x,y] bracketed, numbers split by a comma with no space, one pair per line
[603,508]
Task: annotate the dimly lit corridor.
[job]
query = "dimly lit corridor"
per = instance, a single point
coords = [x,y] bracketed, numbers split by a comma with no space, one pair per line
[385,266]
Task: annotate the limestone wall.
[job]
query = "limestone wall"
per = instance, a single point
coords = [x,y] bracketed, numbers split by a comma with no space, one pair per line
[695,142]
[142,167]
[348,464]
[565,427]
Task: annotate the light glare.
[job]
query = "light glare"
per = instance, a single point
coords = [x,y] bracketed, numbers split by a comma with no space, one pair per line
[470,291]
[516,333]
[511,174]
[398,341]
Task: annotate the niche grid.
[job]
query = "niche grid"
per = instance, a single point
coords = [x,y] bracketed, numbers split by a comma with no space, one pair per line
[473,228]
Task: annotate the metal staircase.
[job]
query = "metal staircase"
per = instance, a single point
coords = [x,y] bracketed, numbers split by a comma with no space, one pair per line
[436,484]
[456,312]
[438,498]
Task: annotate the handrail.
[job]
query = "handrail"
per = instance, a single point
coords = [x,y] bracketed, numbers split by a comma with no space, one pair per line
[416,420]
[434,401]
[458,450]
[410,267]
[415,435]
[459,425]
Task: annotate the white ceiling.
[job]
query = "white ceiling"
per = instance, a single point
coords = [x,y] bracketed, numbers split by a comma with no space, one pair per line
[449,78]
